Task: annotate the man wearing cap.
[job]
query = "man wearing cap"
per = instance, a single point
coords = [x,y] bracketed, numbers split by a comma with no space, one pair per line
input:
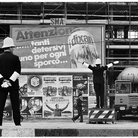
[10,69]
[98,79]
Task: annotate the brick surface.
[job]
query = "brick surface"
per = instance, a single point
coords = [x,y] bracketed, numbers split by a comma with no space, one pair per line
[56,132]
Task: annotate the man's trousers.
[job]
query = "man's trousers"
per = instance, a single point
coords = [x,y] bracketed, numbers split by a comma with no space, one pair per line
[99,90]
[14,97]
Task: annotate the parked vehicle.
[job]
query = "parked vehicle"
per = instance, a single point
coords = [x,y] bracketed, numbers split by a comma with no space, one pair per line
[126,100]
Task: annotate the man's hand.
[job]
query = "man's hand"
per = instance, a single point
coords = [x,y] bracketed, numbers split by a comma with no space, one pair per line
[115,62]
[6,83]
[80,60]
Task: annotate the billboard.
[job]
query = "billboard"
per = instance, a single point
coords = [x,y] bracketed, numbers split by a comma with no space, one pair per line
[46,95]
[41,46]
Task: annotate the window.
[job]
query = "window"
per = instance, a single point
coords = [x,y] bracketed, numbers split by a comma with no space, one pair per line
[133,34]
[120,34]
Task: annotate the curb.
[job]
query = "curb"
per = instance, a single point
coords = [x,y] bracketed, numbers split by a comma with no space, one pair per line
[31,132]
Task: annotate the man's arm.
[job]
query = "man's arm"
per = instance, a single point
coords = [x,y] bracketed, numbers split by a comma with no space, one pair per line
[65,107]
[84,63]
[8,82]
[49,107]
[17,71]
[111,64]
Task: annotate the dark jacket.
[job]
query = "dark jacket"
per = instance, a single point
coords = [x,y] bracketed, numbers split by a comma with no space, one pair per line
[8,64]
[79,103]
[98,73]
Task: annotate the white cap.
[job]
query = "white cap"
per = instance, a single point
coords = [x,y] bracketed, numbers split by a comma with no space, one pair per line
[8,42]
[98,61]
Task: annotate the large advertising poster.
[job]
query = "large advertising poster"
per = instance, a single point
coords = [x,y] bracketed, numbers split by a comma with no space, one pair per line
[46,95]
[43,46]
[57,101]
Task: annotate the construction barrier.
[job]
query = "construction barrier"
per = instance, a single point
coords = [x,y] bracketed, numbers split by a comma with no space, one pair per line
[101,115]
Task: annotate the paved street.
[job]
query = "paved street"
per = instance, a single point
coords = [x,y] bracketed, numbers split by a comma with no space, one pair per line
[43,127]
[67,123]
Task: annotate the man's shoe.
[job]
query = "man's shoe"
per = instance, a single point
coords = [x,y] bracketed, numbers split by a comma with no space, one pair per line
[18,125]
[73,120]
[81,121]
[100,122]
[93,122]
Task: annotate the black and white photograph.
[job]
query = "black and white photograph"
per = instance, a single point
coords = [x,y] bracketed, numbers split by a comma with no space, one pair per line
[68,68]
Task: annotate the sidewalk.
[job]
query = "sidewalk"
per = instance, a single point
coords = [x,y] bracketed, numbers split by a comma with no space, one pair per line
[35,128]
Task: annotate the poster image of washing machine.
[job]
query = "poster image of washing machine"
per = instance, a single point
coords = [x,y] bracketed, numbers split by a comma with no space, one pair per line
[35,82]
[49,91]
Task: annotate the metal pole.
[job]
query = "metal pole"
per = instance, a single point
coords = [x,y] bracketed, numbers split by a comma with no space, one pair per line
[19,10]
[86,13]
[65,10]
[43,11]
[129,30]
[106,80]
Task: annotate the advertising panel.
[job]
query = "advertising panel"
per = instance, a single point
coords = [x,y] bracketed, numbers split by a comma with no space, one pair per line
[57,92]
[34,83]
[57,46]
[80,84]
[57,107]
[49,91]
[50,85]
[32,107]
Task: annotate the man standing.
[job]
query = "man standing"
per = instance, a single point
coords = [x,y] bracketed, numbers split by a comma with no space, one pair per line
[10,69]
[98,79]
